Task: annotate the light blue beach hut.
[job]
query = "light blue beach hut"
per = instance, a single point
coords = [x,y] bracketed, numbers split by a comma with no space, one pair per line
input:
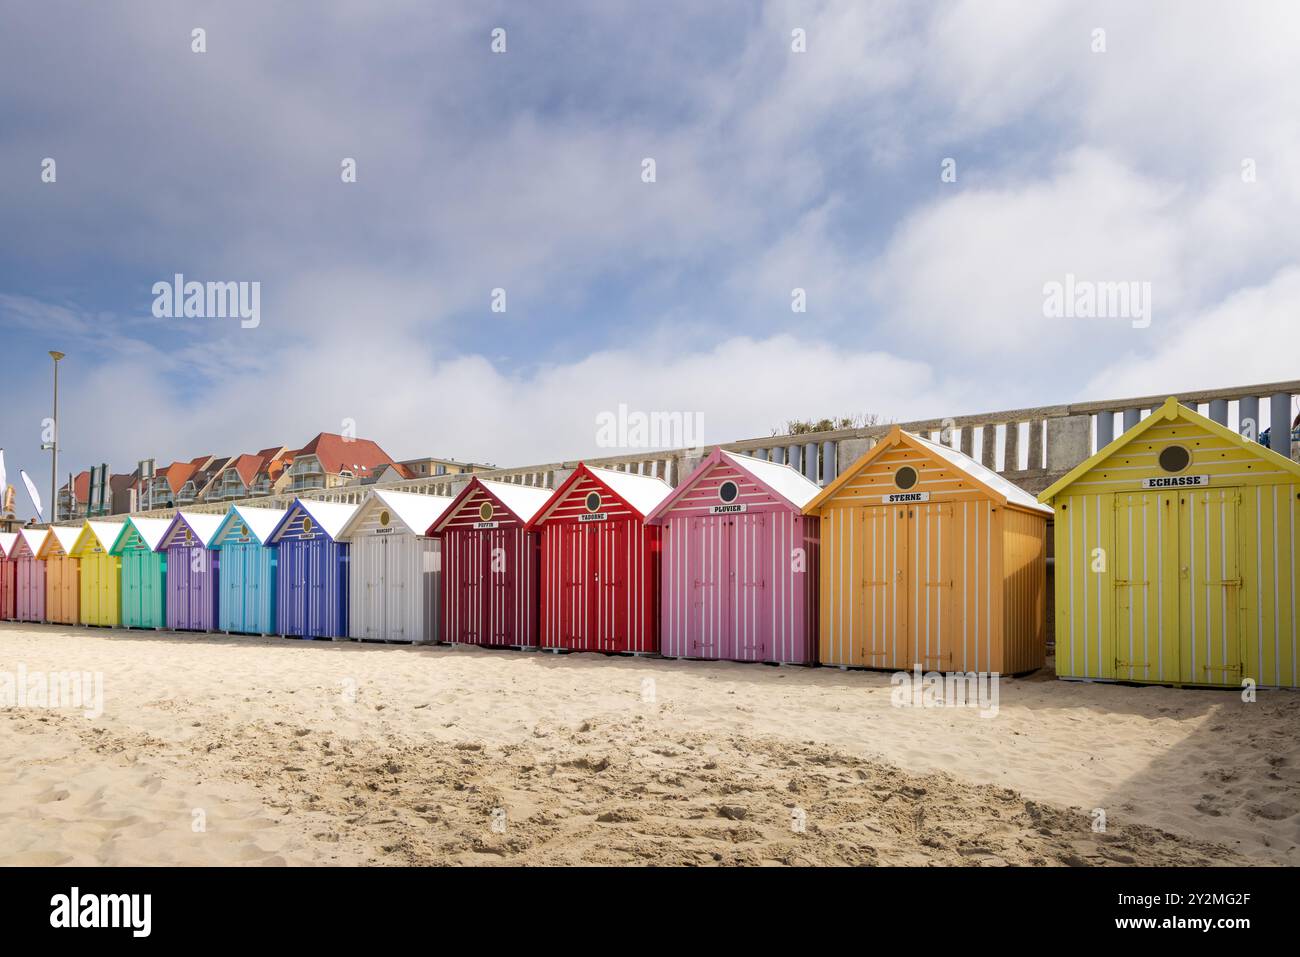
[248,570]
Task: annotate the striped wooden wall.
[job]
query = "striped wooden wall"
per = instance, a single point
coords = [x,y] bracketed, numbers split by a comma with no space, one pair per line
[483,605]
[394,580]
[1024,601]
[29,582]
[62,589]
[99,596]
[742,586]
[8,588]
[1154,629]
[247,586]
[1125,556]
[948,584]
[599,580]
[143,583]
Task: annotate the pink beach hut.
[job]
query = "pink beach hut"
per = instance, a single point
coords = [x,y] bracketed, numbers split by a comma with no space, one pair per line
[739,563]
[29,575]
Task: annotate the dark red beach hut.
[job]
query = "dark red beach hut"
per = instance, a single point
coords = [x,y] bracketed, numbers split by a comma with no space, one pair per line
[489,564]
[8,577]
[738,563]
[600,567]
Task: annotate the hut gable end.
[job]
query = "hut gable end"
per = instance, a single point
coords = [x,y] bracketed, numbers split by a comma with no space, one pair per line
[1216,454]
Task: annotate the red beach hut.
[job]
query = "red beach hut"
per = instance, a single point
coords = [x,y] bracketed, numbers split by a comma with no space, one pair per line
[600,567]
[738,563]
[489,564]
[8,577]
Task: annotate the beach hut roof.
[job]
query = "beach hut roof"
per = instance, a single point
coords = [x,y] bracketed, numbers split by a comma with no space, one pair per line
[641,493]
[1171,410]
[102,533]
[524,501]
[34,537]
[785,480]
[7,542]
[1005,492]
[416,512]
[201,524]
[781,480]
[151,532]
[260,522]
[58,539]
[330,517]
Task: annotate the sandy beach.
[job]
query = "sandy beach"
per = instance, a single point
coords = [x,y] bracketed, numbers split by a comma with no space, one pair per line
[214,749]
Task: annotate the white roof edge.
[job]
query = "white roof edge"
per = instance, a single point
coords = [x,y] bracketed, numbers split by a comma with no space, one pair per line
[1012,492]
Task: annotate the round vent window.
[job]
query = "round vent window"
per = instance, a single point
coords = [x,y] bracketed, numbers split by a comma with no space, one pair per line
[485,512]
[241,530]
[728,491]
[1175,458]
[384,518]
[593,502]
[306,525]
[905,477]
[188,537]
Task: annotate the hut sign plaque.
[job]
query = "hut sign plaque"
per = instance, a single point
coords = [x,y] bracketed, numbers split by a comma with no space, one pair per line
[896,498]
[1176,481]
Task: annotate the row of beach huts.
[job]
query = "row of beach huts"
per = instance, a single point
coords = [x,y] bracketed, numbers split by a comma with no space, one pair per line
[1174,562]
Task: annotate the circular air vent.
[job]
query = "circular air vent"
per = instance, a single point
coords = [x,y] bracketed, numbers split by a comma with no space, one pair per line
[905,477]
[593,501]
[1175,458]
[384,518]
[485,512]
[728,491]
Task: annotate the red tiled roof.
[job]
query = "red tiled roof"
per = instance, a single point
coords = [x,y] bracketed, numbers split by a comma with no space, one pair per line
[80,487]
[177,474]
[362,457]
[247,466]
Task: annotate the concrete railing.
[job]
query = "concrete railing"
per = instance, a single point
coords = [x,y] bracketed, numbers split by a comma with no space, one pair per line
[1031,447]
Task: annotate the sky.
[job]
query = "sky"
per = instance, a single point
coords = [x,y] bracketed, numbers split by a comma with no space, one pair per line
[921,171]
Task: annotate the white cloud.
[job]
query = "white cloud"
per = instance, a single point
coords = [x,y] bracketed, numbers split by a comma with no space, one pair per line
[1251,337]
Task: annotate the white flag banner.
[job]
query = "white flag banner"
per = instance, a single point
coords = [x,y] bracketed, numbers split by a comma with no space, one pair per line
[35,495]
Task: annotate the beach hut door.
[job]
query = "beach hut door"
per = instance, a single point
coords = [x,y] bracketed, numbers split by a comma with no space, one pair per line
[472,561]
[882,636]
[501,557]
[1209,593]
[709,565]
[932,585]
[609,542]
[750,549]
[1176,573]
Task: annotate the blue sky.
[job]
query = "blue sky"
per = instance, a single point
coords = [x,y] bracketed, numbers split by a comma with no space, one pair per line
[775,170]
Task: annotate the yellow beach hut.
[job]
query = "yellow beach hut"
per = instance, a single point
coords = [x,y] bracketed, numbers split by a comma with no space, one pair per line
[100,573]
[1175,558]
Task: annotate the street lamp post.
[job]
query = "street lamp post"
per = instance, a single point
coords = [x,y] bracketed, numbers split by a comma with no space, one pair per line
[54,444]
